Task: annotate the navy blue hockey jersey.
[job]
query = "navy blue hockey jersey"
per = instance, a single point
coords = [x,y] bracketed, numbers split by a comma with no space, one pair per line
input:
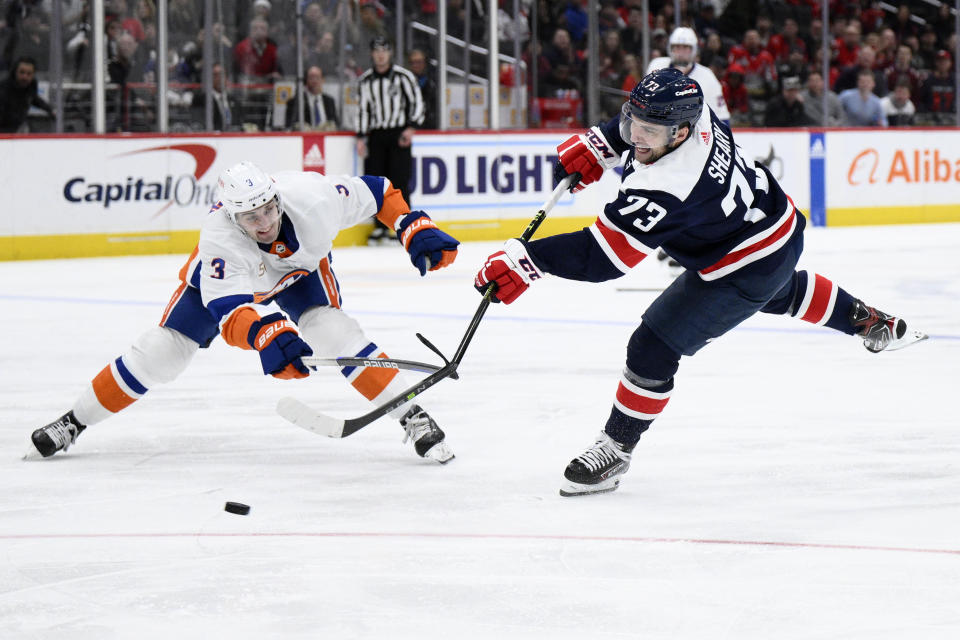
[710,208]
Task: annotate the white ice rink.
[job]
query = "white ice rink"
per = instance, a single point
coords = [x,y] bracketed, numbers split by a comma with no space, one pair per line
[796,487]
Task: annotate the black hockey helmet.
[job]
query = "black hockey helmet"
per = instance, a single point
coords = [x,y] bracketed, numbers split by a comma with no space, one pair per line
[666,97]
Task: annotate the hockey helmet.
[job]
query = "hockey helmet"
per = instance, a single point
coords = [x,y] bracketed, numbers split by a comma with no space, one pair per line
[245,187]
[664,97]
[683,36]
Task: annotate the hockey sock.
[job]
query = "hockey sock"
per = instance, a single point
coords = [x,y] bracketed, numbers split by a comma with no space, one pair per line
[111,391]
[370,381]
[637,404]
[820,301]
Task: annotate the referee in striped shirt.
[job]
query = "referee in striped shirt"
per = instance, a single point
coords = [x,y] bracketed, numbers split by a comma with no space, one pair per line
[390,106]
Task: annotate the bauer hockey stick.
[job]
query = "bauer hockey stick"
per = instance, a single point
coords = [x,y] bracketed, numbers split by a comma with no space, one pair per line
[380,363]
[303,416]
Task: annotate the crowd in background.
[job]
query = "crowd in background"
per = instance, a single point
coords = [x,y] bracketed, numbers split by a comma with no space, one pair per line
[886,68]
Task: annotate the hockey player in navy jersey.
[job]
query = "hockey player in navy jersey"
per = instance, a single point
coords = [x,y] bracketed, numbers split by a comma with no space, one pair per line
[687,188]
[269,240]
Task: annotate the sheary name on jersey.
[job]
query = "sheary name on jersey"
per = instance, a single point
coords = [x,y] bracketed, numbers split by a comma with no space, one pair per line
[709,207]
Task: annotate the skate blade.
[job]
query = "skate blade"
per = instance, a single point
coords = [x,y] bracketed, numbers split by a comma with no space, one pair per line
[439,452]
[32,454]
[570,489]
[909,338]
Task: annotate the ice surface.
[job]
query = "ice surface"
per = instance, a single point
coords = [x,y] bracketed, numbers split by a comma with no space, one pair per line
[796,487]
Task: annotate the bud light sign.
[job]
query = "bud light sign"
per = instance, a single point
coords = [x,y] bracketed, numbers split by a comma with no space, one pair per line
[465,176]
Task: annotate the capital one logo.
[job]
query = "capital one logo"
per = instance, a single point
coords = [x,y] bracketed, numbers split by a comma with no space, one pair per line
[183,190]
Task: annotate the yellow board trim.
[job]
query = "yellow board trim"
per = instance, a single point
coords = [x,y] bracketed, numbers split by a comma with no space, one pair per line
[859,216]
[147,243]
[88,245]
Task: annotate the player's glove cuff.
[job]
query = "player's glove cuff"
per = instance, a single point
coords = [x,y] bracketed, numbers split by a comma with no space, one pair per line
[512,270]
[586,154]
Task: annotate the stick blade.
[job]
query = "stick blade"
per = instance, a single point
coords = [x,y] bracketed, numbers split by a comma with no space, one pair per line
[307,418]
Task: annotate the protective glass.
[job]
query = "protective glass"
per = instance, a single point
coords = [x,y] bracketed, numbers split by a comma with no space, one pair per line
[260,217]
[641,133]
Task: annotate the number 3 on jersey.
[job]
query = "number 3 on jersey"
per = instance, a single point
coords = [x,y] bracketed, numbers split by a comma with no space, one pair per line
[217,264]
[644,221]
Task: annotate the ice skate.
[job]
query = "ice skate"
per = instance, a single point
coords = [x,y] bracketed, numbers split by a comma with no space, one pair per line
[880,331]
[56,436]
[428,438]
[598,469]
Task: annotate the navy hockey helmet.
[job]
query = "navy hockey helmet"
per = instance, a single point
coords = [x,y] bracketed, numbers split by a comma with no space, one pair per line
[665,97]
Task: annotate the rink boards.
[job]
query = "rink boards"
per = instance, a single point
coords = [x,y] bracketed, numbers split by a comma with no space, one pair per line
[124,195]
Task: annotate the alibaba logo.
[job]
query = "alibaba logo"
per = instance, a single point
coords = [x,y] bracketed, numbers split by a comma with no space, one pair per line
[203,156]
[862,164]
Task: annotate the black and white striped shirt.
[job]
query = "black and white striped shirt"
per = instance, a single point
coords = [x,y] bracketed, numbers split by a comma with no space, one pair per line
[389,100]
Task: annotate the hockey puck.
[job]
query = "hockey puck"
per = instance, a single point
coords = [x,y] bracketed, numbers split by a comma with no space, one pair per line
[237,507]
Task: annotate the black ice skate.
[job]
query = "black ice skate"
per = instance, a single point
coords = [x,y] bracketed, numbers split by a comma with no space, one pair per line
[598,469]
[58,435]
[880,331]
[428,438]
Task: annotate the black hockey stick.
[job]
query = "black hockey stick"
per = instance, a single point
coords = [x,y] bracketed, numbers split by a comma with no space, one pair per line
[302,415]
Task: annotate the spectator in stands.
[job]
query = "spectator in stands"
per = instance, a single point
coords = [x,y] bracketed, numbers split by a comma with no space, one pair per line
[938,92]
[124,67]
[860,106]
[417,64]
[575,18]
[370,27]
[632,35]
[564,66]
[927,52]
[760,73]
[735,95]
[897,105]
[886,50]
[712,50]
[324,54]
[706,21]
[902,69]
[226,111]
[812,97]
[18,92]
[943,22]
[183,17]
[319,109]
[786,109]
[902,25]
[788,41]
[847,47]
[633,72]
[255,56]
[764,29]
[865,59]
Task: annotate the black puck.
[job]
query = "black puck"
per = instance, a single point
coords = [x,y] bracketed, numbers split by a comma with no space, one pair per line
[237,507]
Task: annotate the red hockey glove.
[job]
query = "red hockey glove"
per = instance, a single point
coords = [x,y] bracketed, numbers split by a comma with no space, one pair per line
[511,269]
[587,154]
[280,347]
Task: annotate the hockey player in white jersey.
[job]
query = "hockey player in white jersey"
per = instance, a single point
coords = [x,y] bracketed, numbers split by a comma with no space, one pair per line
[269,239]
[683,47]
[685,187]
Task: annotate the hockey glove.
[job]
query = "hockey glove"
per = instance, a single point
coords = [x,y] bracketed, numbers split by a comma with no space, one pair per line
[429,247]
[280,347]
[587,155]
[512,270]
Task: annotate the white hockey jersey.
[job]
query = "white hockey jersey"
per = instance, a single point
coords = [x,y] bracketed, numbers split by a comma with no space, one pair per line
[231,269]
[712,91]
